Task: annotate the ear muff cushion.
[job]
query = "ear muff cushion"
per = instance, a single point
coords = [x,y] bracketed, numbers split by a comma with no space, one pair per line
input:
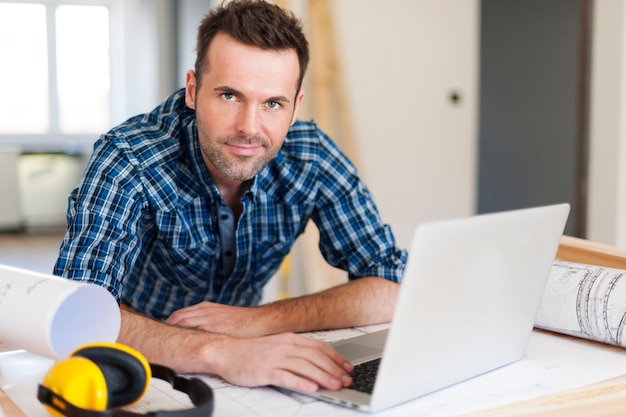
[126,372]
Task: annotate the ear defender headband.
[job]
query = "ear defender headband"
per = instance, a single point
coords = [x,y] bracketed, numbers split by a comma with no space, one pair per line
[97,379]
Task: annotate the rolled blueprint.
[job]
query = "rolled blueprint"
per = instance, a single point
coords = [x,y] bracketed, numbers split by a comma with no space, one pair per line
[52,316]
[585,301]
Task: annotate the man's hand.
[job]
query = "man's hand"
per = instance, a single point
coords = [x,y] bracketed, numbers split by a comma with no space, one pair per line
[357,303]
[286,360]
[232,343]
[220,318]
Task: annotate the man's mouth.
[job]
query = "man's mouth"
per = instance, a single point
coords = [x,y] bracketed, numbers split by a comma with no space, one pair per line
[244,149]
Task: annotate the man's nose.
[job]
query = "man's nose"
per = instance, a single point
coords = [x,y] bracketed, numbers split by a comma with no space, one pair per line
[248,120]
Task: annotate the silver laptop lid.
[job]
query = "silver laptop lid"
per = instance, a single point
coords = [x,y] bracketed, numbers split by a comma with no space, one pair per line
[469,296]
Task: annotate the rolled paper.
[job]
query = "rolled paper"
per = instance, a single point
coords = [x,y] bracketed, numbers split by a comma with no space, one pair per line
[585,301]
[53,316]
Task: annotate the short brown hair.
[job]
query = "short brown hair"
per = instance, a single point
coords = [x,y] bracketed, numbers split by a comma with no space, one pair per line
[255,23]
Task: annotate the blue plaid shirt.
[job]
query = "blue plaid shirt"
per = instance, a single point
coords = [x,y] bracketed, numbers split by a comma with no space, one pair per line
[144,220]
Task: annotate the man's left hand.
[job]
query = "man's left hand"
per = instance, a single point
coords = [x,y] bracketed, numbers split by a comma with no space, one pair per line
[360,302]
[220,318]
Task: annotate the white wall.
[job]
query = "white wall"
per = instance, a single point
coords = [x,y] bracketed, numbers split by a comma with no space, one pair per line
[418,153]
[402,60]
[190,14]
[607,171]
[143,38]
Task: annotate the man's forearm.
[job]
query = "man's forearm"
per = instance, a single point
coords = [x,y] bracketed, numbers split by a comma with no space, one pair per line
[286,360]
[360,302]
[181,349]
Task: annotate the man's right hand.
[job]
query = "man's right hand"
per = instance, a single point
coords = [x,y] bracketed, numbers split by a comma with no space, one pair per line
[286,360]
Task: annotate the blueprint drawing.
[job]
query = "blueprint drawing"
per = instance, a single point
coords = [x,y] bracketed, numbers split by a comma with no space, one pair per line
[585,301]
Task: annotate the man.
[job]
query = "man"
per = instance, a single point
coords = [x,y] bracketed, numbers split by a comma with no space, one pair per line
[185,213]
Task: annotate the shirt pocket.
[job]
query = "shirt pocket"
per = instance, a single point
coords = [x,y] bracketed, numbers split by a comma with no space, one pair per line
[274,236]
[193,267]
[186,253]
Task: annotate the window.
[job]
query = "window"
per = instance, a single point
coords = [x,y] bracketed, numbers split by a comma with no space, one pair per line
[56,73]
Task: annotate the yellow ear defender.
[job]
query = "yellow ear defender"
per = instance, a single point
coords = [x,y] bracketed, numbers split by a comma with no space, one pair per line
[99,378]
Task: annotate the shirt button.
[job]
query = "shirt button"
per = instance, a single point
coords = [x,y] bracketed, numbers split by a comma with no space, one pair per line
[224,216]
[228,253]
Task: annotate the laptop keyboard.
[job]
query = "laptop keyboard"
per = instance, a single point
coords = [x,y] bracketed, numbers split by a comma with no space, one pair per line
[364,375]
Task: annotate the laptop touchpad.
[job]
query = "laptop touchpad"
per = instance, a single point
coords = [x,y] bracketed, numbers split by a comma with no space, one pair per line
[357,353]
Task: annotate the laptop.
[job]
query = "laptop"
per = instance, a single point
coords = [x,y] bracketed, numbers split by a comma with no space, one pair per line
[468,300]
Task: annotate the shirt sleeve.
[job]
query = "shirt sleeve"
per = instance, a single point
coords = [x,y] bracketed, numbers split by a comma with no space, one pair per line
[102,243]
[353,236]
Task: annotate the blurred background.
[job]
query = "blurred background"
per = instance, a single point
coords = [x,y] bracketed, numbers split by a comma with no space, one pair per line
[448,107]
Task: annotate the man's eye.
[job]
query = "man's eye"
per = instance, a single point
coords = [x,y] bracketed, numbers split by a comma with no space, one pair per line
[273,105]
[228,96]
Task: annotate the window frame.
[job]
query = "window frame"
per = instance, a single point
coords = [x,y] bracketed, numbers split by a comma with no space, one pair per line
[54,140]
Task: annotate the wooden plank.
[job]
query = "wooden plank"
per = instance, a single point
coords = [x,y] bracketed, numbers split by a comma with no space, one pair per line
[8,407]
[583,251]
[330,104]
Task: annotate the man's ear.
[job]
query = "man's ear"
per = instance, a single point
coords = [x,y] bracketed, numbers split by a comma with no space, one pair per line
[296,106]
[190,89]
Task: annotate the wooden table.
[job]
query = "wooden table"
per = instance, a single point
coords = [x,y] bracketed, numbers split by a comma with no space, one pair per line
[603,399]
[606,399]
[8,407]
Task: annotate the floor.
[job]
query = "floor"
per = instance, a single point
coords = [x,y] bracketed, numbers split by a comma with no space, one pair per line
[33,251]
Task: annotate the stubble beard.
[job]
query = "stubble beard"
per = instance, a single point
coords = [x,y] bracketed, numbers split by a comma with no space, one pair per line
[241,168]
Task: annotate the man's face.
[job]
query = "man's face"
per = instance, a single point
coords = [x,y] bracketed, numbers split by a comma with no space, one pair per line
[244,105]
